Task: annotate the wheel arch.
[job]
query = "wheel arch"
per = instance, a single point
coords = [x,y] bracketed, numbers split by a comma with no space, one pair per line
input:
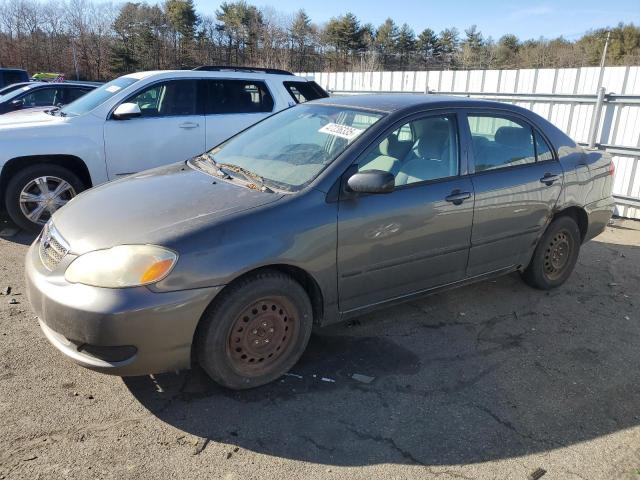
[71,162]
[578,214]
[300,275]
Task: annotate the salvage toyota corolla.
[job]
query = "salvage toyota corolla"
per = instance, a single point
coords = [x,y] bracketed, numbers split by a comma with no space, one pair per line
[318,213]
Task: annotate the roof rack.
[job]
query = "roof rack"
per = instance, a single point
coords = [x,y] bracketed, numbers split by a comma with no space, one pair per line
[222,68]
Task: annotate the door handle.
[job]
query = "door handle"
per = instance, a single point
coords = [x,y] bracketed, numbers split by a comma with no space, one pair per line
[549,178]
[189,125]
[457,197]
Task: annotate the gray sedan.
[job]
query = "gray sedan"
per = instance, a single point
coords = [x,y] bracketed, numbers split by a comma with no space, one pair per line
[319,213]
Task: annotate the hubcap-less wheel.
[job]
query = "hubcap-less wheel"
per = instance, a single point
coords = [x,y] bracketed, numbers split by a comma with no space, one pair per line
[557,254]
[44,195]
[261,335]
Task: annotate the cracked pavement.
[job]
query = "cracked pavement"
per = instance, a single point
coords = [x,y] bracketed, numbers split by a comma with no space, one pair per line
[493,380]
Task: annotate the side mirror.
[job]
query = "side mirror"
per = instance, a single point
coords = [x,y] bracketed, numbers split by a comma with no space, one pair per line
[124,111]
[371,181]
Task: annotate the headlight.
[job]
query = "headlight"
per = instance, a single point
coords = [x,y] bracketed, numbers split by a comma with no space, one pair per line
[122,266]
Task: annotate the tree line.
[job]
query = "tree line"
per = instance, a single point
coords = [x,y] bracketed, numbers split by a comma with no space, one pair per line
[97,41]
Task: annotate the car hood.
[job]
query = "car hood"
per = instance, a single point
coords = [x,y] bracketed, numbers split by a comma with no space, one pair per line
[157,206]
[28,117]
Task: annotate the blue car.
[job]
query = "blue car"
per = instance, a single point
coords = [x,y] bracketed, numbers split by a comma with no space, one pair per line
[41,94]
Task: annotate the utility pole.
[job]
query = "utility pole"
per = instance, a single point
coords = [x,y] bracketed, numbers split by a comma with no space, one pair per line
[600,92]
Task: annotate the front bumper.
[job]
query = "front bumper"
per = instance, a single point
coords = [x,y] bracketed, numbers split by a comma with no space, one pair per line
[150,332]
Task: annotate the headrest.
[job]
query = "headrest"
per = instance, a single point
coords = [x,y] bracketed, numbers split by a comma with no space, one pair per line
[434,138]
[392,147]
[429,126]
[513,136]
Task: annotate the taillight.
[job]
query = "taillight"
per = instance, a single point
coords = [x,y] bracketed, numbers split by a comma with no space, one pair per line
[612,168]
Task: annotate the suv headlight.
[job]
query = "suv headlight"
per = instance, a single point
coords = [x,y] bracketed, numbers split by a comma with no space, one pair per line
[122,266]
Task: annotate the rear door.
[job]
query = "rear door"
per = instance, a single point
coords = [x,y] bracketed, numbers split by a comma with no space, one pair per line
[417,237]
[170,129]
[233,105]
[517,181]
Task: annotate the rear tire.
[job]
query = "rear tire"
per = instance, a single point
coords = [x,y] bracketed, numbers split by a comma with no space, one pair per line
[255,332]
[48,186]
[555,255]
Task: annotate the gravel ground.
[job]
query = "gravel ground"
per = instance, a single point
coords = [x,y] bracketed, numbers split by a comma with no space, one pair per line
[495,380]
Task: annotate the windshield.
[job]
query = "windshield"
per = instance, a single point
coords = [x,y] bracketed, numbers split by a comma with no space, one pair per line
[98,96]
[291,148]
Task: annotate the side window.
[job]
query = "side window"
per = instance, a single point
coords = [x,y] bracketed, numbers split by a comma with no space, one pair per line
[304,91]
[43,97]
[421,150]
[500,142]
[543,152]
[238,96]
[173,98]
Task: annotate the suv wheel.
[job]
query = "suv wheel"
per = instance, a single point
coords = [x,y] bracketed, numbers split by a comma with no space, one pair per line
[33,194]
[256,332]
[555,256]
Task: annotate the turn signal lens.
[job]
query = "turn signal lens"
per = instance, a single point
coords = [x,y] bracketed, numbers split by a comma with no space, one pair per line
[612,168]
[156,271]
[122,266]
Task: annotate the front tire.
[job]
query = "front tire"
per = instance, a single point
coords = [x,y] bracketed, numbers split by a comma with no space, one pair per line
[255,332]
[555,256]
[34,193]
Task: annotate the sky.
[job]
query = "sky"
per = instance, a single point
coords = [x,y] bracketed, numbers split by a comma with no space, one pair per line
[526,19]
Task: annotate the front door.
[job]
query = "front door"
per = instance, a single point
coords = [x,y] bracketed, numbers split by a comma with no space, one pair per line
[517,182]
[417,237]
[169,129]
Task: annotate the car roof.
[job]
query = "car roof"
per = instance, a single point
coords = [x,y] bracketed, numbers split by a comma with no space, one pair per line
[389,103]
[214,74]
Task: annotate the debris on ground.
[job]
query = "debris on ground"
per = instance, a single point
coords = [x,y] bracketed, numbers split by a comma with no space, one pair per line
[13,301]
[201,444]
[613,284]
[537,473]
[6,291]
[362,378]
[330,380]
[627,317]
[293,375]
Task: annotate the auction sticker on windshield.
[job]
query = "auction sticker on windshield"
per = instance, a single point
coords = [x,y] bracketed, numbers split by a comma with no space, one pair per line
[342,131]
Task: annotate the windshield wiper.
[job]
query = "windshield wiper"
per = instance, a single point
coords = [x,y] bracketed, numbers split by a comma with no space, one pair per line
[218,169]
[247,174]
[55,111]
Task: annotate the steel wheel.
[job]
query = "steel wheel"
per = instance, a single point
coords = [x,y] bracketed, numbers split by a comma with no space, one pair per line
[44,195]
[262,335]
[557,254]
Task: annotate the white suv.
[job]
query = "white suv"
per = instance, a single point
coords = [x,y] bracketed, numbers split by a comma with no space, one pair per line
[132,123]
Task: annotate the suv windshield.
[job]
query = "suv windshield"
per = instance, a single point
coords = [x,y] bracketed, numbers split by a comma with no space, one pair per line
[98,96]
[291,148]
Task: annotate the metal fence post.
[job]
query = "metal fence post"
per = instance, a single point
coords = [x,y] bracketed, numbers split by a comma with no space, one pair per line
[595,118]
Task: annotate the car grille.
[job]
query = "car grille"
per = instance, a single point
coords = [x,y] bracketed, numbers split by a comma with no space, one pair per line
[52,247]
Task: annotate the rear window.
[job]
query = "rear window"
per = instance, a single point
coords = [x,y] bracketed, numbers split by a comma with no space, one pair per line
[304,91]
[237,96]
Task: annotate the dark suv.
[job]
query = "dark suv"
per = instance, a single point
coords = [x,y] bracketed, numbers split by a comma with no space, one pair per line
[9,76]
